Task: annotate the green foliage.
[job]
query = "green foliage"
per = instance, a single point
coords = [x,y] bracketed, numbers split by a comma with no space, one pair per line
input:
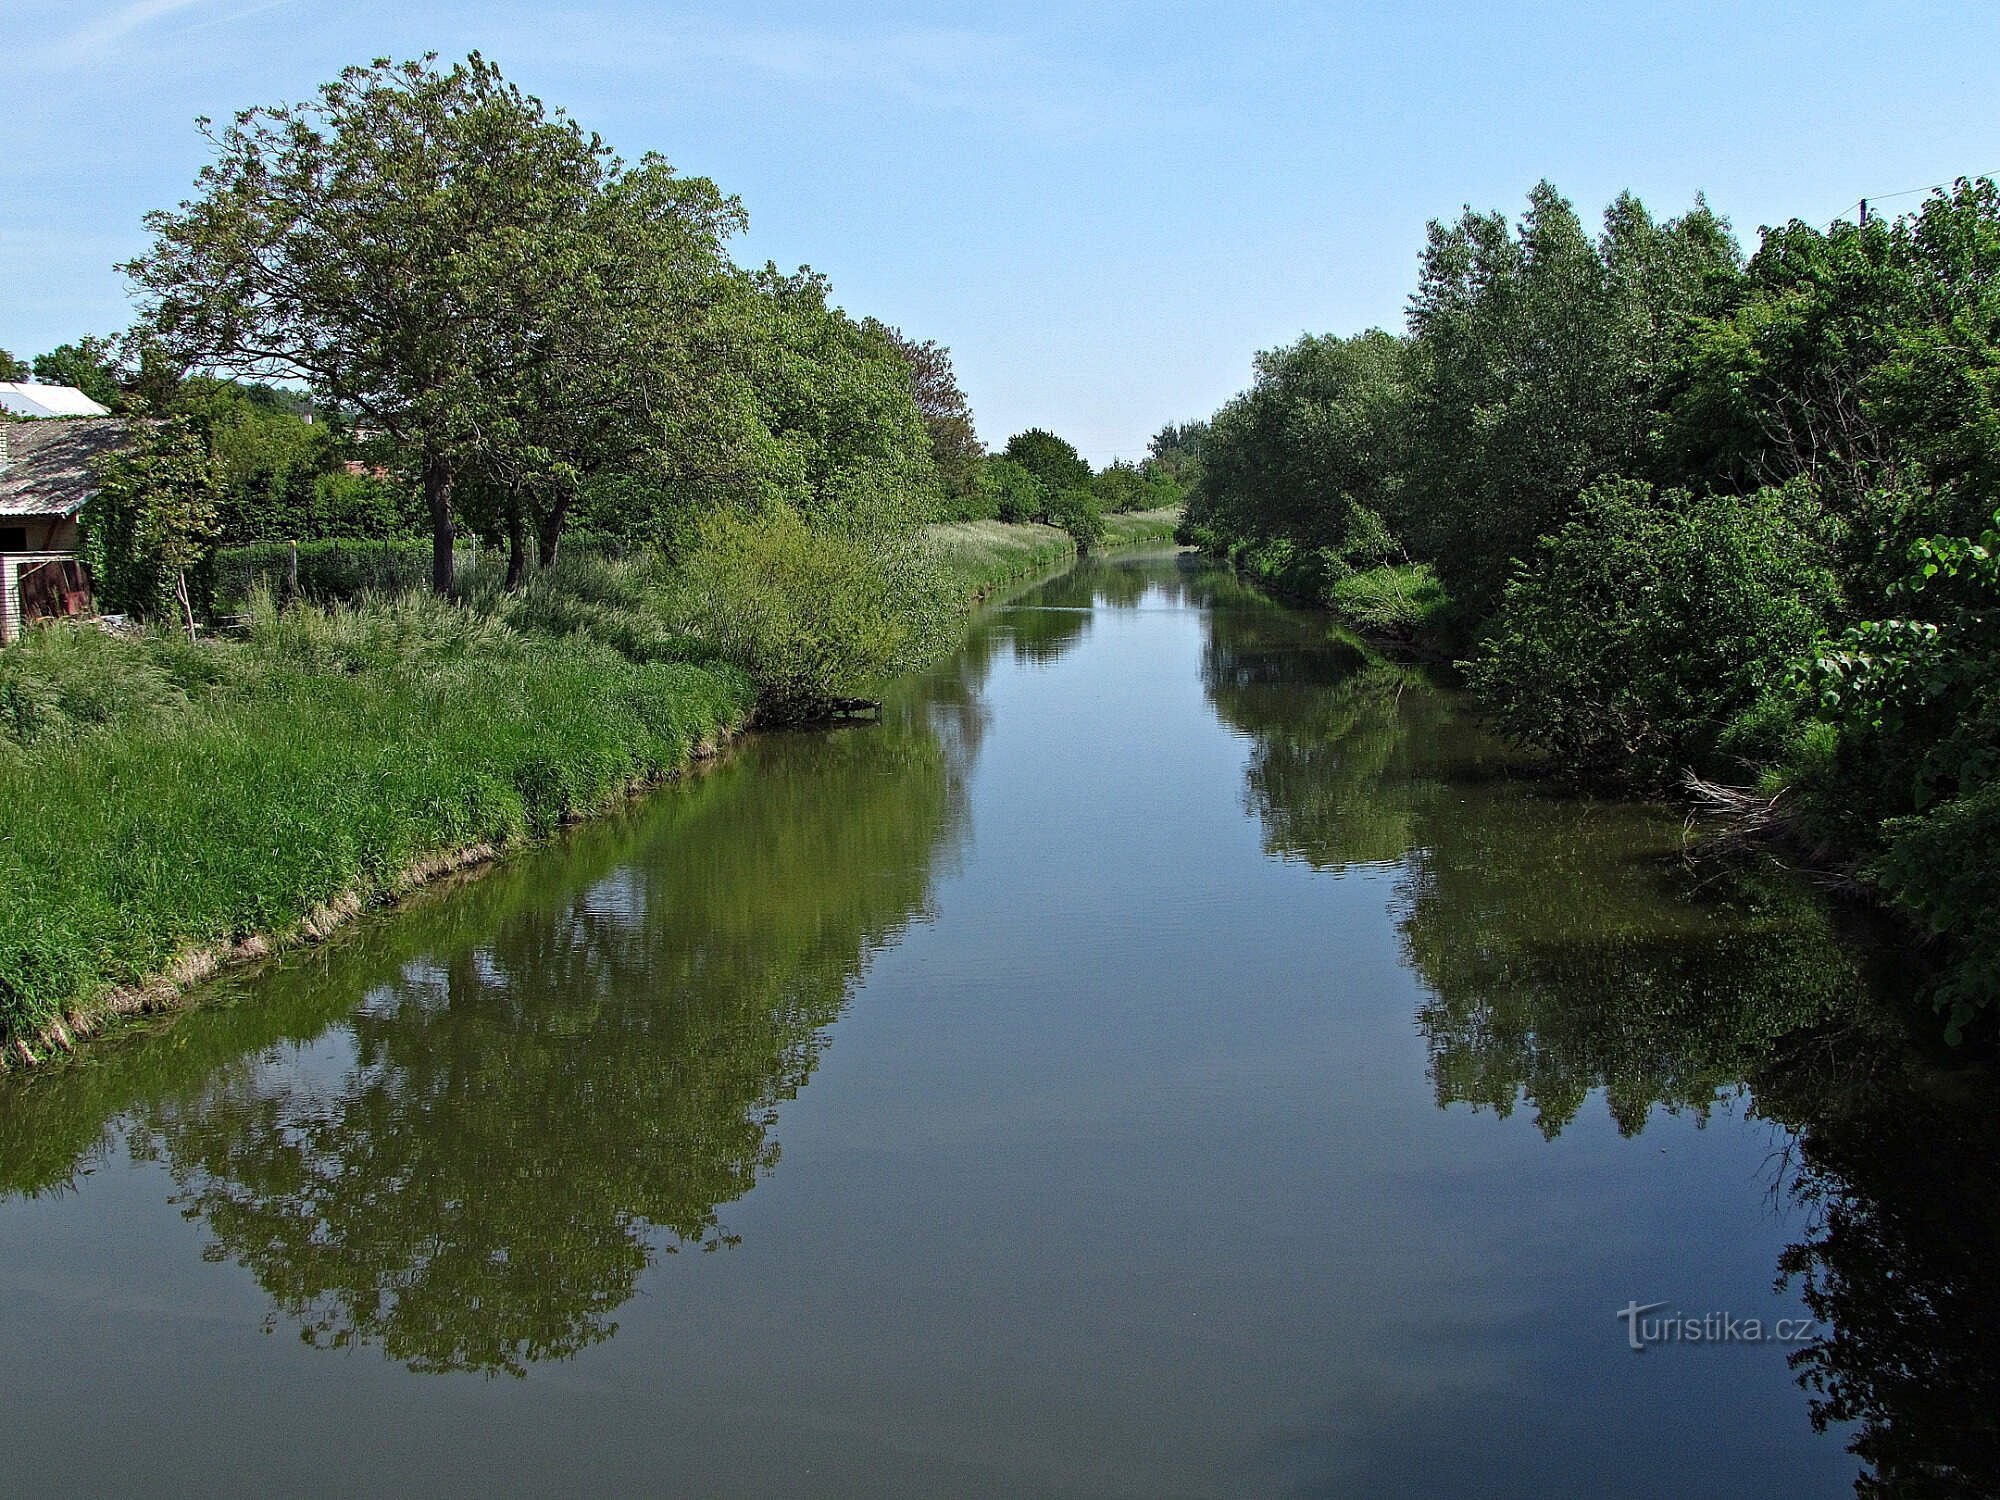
[811,616]
[1009,492]
[152,518]
[409,295]
[1310,453]
[1123,486]
[1647,622]
[1832,650]
[1175,453]
[329,571]
[12,368]
[848,449]
[1392,603]
[1078,513]
[322,756]
[1052,460]
[1538,361]
[1908,762]
[956,451]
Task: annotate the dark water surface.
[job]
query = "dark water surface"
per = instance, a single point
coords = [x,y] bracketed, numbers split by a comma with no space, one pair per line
[1168,1056]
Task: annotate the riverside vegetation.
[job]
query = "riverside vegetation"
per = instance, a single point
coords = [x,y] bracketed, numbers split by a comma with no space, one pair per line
[1687,521]
[556,510]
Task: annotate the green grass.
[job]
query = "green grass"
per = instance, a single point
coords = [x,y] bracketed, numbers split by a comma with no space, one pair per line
[1134,528]
[981,557]
[235,787]
[1405,603]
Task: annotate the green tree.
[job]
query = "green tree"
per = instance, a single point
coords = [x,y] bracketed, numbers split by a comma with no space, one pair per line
[1312,453]
[955,446]
[1050,459]
[1010,491]
[392,243]
[848,448]
[12,368]
[1537,364]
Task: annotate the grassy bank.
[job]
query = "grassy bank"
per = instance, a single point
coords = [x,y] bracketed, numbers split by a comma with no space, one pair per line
[167,807]
[1399,607]
[1135,528]
[162,805]
[983,557]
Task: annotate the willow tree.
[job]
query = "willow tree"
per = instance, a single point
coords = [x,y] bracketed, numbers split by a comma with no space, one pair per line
[394,243]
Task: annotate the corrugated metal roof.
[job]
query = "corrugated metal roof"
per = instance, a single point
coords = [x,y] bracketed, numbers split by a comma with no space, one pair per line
[25,399]
[51,465]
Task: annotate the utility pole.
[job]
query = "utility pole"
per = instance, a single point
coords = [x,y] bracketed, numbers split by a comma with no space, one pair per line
[1864,213]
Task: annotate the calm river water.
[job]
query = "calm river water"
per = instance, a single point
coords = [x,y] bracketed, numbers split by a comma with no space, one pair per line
[1168,1056]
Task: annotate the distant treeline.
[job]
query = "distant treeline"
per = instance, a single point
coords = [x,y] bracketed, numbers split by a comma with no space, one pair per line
[1688,520]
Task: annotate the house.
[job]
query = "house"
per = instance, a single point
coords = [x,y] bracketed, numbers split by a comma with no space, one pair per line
[48,469]
[25,399]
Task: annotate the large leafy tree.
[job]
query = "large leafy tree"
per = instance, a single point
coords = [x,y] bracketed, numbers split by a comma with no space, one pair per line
[1051,459]
[955,446]
[1539,356]
[623,367]
[1313,451]
[849,449]
[394,242]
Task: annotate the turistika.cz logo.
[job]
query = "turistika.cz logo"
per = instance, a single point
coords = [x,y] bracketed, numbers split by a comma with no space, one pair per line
[1642,1331]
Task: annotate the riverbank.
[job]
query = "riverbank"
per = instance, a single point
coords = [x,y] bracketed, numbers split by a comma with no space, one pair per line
[987,556]
[1399,608]
[168,808]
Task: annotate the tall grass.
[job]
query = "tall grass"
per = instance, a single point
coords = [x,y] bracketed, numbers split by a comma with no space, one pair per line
[327,755]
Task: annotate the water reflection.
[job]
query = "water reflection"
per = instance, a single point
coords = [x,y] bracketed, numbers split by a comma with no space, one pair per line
[551,1076]
[1567,948]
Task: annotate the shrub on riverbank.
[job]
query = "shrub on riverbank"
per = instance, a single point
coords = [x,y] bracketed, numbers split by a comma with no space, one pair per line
[809,616]
[1648,624]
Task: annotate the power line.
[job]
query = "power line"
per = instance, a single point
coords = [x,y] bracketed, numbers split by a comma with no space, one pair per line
[1863,203]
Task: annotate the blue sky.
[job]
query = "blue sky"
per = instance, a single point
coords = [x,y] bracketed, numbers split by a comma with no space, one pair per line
[1104,209]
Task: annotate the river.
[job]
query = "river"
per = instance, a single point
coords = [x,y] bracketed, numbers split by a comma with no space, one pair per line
[1171,1055]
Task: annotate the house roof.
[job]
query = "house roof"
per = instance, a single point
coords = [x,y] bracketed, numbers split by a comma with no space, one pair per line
[26,399]
[50,467]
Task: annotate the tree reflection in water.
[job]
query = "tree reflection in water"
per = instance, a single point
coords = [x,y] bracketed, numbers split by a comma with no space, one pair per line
[556,1073]
[1566,947]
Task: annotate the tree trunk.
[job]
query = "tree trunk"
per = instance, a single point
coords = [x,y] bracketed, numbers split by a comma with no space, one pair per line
[549,536]
[187,604]
[517,547]
[437,499]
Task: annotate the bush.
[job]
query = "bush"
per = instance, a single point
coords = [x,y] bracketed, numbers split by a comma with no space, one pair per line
[811,616]
[1398,603]
[1077,512]
[1647,623]
[1009,492]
